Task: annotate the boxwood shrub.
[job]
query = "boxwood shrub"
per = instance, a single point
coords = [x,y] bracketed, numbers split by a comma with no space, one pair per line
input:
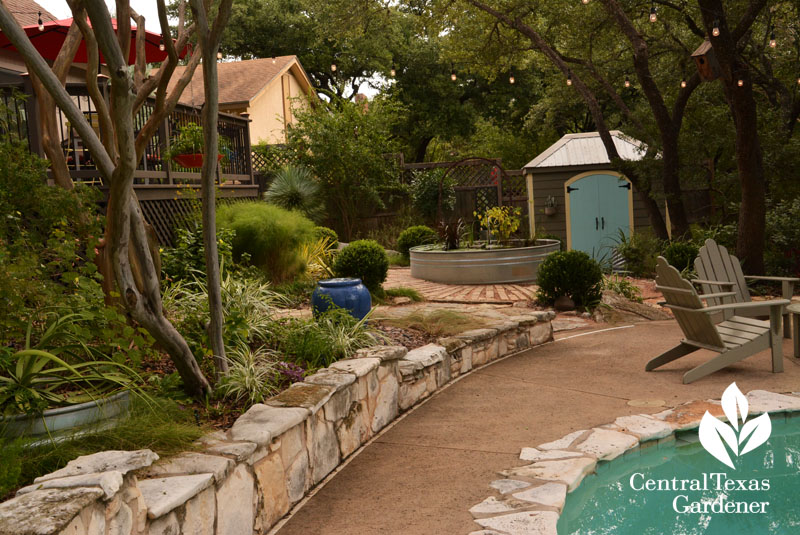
[366,260]
[413,236]
[571,273]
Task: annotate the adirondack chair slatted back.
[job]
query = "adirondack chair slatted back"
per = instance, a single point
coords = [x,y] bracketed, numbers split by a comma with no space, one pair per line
[715,263]
[696,323]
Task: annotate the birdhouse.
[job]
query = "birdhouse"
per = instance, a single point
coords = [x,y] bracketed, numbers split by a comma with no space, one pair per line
[707,64]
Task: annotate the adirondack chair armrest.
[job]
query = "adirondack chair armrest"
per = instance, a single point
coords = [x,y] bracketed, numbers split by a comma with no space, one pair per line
[714,295]
[751,304]
[777,279]
[718,283]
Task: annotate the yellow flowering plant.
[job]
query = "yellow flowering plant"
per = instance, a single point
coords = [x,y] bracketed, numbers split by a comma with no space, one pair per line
[500,221]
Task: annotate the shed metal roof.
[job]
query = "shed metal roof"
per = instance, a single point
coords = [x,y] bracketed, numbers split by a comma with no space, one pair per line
[587,149]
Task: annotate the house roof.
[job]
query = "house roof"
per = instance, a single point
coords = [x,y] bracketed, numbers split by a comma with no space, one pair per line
[27,12]
[241,81]
[587,149]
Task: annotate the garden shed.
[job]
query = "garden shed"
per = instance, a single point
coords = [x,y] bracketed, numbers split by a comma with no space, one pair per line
[575,195]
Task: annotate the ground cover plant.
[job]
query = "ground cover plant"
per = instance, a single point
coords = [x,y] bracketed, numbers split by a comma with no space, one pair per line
[439,322]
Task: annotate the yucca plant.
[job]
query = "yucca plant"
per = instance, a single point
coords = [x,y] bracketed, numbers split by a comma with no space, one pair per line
[295,188]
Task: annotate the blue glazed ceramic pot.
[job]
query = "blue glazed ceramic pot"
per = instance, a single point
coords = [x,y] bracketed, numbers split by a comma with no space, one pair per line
[347,293]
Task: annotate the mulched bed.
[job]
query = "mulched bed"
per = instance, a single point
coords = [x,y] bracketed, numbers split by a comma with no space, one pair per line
[411,338]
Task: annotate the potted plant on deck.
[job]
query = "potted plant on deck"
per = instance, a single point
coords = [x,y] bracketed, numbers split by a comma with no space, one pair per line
[187,148]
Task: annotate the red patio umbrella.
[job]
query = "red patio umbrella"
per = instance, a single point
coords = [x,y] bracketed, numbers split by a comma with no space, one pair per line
[48,42]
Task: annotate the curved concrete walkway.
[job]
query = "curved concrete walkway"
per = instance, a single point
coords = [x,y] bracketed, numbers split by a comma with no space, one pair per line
[423,475]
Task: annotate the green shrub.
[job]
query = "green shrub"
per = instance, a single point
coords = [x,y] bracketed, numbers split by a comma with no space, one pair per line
[325,232]
[366,260]
[425,192]
[188,255]
[782,254]
[639,251]
[316,343]
[573,274]
[681,254]
[296,188]
[623,287]
[270,235]
[413,236]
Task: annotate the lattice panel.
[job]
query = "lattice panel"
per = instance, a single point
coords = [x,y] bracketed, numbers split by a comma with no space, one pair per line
[485,198]
[166,214]
[514,186]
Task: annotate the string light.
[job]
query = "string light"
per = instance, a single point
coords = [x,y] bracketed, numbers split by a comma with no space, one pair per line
[273,61]
[511,79]
[715,29]
[584,2]
[798,80]
[453,76]
[219,54]
[41,24]
[569,78]
[393,72]
[772,41]
[333,67]
[683,83]
[161,46]
[740,83]
[653,16]
[627,81]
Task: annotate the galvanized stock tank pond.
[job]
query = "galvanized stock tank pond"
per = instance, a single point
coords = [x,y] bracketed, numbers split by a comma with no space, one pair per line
[491,265]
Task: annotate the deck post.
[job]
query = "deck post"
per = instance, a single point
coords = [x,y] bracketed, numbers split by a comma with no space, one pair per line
[34,122]
[249,149]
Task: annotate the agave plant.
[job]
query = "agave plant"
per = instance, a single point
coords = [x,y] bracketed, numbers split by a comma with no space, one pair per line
[34,378]
[295,188]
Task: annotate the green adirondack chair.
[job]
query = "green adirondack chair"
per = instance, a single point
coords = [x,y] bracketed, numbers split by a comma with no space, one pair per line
[718,270]
[735,338]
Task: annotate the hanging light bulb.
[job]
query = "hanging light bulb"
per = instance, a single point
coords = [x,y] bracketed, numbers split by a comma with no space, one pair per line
[683,83]
[393,72]
[41,23]
[453,76]
[715,29]
[161,46]
[772,41]
[273,61]
[511,79]
[798,80]
[627,81]
[740,83]
[569,78]
[333,67]
[653,16]
[219,54]
[584,2]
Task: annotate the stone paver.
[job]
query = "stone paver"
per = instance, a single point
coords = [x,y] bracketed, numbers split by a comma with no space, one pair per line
[461,293]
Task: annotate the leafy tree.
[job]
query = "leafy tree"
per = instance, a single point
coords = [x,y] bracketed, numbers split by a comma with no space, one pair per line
[348,146]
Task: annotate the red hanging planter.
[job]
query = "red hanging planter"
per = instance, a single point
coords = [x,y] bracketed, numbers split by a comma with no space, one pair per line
[192,161]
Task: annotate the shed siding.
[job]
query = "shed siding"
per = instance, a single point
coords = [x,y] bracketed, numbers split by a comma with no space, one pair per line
[551,182]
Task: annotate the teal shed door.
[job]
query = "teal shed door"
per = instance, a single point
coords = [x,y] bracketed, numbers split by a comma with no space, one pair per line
[598,210]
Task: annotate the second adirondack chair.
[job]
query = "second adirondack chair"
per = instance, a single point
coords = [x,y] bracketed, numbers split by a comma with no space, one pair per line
[735,338]
[718,270]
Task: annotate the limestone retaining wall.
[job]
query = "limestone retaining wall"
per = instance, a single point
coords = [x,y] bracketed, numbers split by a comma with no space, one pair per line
[245,480]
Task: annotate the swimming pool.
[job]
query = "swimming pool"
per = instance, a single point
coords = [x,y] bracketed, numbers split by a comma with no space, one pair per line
[678,488]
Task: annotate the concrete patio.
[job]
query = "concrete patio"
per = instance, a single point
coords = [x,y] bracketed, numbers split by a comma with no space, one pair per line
[421,476]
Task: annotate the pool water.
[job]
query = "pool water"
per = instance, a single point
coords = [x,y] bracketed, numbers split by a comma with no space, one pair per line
[617,499]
